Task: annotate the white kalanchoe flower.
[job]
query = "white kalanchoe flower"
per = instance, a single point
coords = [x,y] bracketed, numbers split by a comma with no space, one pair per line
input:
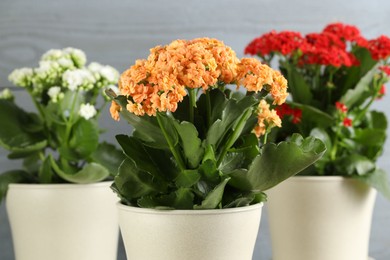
[87,111]
[6,94]
[21,77]
[111,74]
[78,56]
[95,67]
[65,63]
[53,54]
[79,78]
[55,94]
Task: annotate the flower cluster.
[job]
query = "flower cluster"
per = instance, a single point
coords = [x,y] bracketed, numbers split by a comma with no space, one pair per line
[64,70]
[60,141]
[160,82]
[329,48]
[334,77]
[286,110]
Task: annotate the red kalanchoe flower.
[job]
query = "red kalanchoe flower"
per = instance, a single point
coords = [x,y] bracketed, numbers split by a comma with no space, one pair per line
[325,49]
[341,107]
[382,91]
[284,42]
[285,110]
[385,69]
[379,47]
[344,31]
[347,122]
[297,115]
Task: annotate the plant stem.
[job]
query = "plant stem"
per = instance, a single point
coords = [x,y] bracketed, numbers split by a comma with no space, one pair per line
[173,149]
[69,122]
[234,136]
[192,94]
[208,109]
[367,106]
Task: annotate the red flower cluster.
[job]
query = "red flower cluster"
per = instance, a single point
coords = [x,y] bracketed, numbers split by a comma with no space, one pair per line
[347,122]
[329,48]
[385,69]
[283,42]
[343,31]
[286,110]
[341,107]
[326,49]
[380,47]
[382,91]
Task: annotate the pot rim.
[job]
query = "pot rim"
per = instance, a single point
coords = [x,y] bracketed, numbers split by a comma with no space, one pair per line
[253,207]
[48,186]
[320,178]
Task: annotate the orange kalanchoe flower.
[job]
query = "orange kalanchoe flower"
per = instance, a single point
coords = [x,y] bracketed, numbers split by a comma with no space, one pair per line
[114,110]
[254,75]
[160,82]
[266,119]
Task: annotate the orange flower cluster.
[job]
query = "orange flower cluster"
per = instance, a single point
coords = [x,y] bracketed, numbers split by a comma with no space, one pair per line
[266,119]
[254,75]
[159,83]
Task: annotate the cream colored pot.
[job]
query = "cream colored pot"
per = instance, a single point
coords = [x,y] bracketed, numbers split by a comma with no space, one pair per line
[222,234]
[320,218]
[63,221]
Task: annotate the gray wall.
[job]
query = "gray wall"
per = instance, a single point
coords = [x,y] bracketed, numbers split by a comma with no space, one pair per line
[117,32]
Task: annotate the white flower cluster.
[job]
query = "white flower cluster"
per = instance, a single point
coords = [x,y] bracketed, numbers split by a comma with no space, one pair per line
[66,57]
[78,79]
[87,111]
[62,70]
[6,94]
[21,77]
[55,94]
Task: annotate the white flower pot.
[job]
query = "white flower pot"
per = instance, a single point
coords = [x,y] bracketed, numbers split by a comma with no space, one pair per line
[220,234]
[320,218]
[63,221]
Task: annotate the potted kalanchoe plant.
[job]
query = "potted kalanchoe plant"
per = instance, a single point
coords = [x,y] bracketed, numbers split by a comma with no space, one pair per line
[198,161]
[334,78]
[62,191]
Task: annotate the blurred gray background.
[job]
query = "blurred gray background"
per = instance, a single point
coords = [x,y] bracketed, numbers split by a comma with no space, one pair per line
[116,32]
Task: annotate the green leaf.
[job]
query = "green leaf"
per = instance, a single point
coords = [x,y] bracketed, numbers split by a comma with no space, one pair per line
[190,142]
[278,162]
[317,117]
[208,170]
[231,115]
[108,156]
[133,182]
[180,199]
[377,120]
[231,162]
[214,198]
[6,178]
[45,173]
[218,101]
[16,132]
[157,162]
[90,173]
[297,85]
[85,138]
[241,201]
[354,164]
[187,178]
[357,95]
[370,137]
[377,179]
[146,127]
[71,100]
[22,152]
